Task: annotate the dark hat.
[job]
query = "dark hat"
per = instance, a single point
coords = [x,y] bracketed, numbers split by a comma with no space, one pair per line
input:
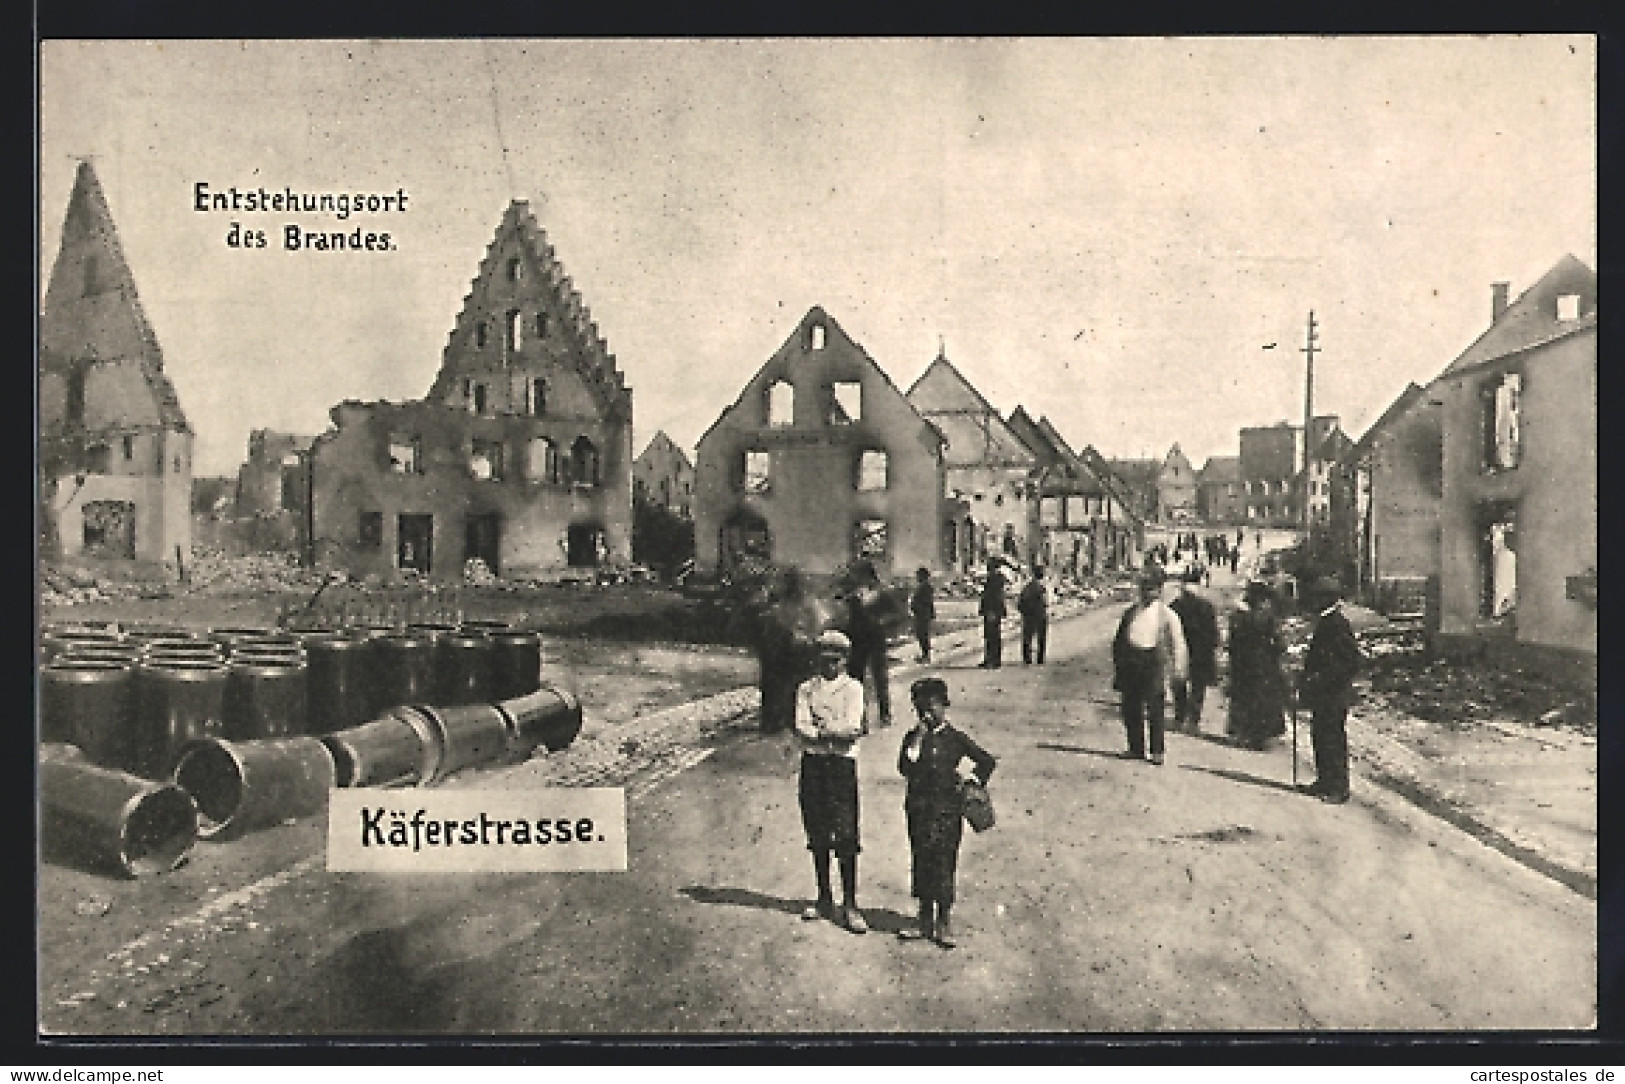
[928,688]
[1257,589]
[1193,575]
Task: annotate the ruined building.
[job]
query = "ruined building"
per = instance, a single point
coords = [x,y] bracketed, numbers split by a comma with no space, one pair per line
[662,475]
[1518,506]
[821,461]
[520,455]
[990,468]
[1082,520]
[115,446]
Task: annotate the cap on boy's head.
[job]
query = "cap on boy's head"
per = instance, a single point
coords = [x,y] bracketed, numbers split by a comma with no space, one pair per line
[1193,575]
[927,689]
[922,573]
[833,643]
[1152,577]
[1257,589]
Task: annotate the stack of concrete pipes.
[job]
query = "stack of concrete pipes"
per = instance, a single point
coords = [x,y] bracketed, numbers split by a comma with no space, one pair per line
[156,737]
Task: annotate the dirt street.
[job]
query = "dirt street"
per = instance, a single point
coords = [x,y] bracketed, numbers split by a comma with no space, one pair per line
[1113,896]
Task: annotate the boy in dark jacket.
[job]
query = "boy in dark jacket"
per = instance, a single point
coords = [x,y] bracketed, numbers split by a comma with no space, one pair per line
[929,760]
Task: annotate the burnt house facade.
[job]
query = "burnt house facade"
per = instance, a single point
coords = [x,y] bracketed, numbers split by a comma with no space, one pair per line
[1084,526]
[115,447]
[519,456]
[991,471]
[1219,496]
[820,462]
[1518,510]
[663,476]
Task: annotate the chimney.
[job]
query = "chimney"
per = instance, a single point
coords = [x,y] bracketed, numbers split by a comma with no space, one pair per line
[1498,299]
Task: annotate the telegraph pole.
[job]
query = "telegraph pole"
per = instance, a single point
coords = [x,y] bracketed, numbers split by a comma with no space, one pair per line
[1309,350]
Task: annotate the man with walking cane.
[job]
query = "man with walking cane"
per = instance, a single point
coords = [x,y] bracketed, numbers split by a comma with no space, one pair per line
[1327,690]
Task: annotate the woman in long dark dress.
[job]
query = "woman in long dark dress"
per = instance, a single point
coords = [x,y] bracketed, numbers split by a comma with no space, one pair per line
[929,760]
[1258,693]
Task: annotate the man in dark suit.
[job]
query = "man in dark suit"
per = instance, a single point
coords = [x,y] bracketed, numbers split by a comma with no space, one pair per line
[1200,623]
[1328,690]
[992,610]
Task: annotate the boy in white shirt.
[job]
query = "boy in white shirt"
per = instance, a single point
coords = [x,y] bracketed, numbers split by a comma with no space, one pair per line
[829,722]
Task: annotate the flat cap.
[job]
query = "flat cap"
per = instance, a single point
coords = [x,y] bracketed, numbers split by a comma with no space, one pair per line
[832,642]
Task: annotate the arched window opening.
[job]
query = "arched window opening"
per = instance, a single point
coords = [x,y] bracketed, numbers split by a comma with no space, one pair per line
[781,403]
[584,462]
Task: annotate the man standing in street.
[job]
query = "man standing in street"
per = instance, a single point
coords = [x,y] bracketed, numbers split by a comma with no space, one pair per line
[922,606]
[829,722]
[1148,655]
[868,627]
[1033,606]
[992,610]
[1328,690]
[1200,623]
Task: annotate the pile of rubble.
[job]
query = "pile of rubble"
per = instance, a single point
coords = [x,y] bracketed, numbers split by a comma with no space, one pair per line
[213,571]
[1459,694]
[61,586]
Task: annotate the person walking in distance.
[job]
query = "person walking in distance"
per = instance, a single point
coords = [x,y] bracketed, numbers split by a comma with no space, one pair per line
[1200,623]
[829,722]
[1148,655]
[929,760]
[1328,690]
[992,610]
[922,607]
[867,626]
[1033,606]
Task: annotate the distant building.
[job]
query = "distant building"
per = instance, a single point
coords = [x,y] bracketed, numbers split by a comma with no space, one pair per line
[1176,488]
[1518,515]
[821,461]
[272,479]
[115,447]
[1084,526]
[1398,482]
[1321,471]
[521,454]
[1272,470]
[662,475]
[989,467]
[1219,496]
[1139,477]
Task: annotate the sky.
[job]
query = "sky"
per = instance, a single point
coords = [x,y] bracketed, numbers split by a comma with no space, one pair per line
[1108,232]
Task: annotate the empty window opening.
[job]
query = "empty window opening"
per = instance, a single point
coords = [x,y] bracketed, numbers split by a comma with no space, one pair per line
[1499,564]
[406,455]
[538,396]
[178,462]
[1568,307]
[129,448]
[845,402]
[482,334]
[542,463]
[541,325]
[1501,429]
[477,402]
[513,332]
[109,529]
[584,462]
[818,336]
[758,472]
[869,540]
[415,541]
[515,270]
[99,459]
[485,462]
[370,531]
[781,403]
[872,472]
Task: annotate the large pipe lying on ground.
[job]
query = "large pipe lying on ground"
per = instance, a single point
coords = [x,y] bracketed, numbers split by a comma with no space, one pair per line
[241,785]
[401,746]
[549,717]
[470,734]
[109,819]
